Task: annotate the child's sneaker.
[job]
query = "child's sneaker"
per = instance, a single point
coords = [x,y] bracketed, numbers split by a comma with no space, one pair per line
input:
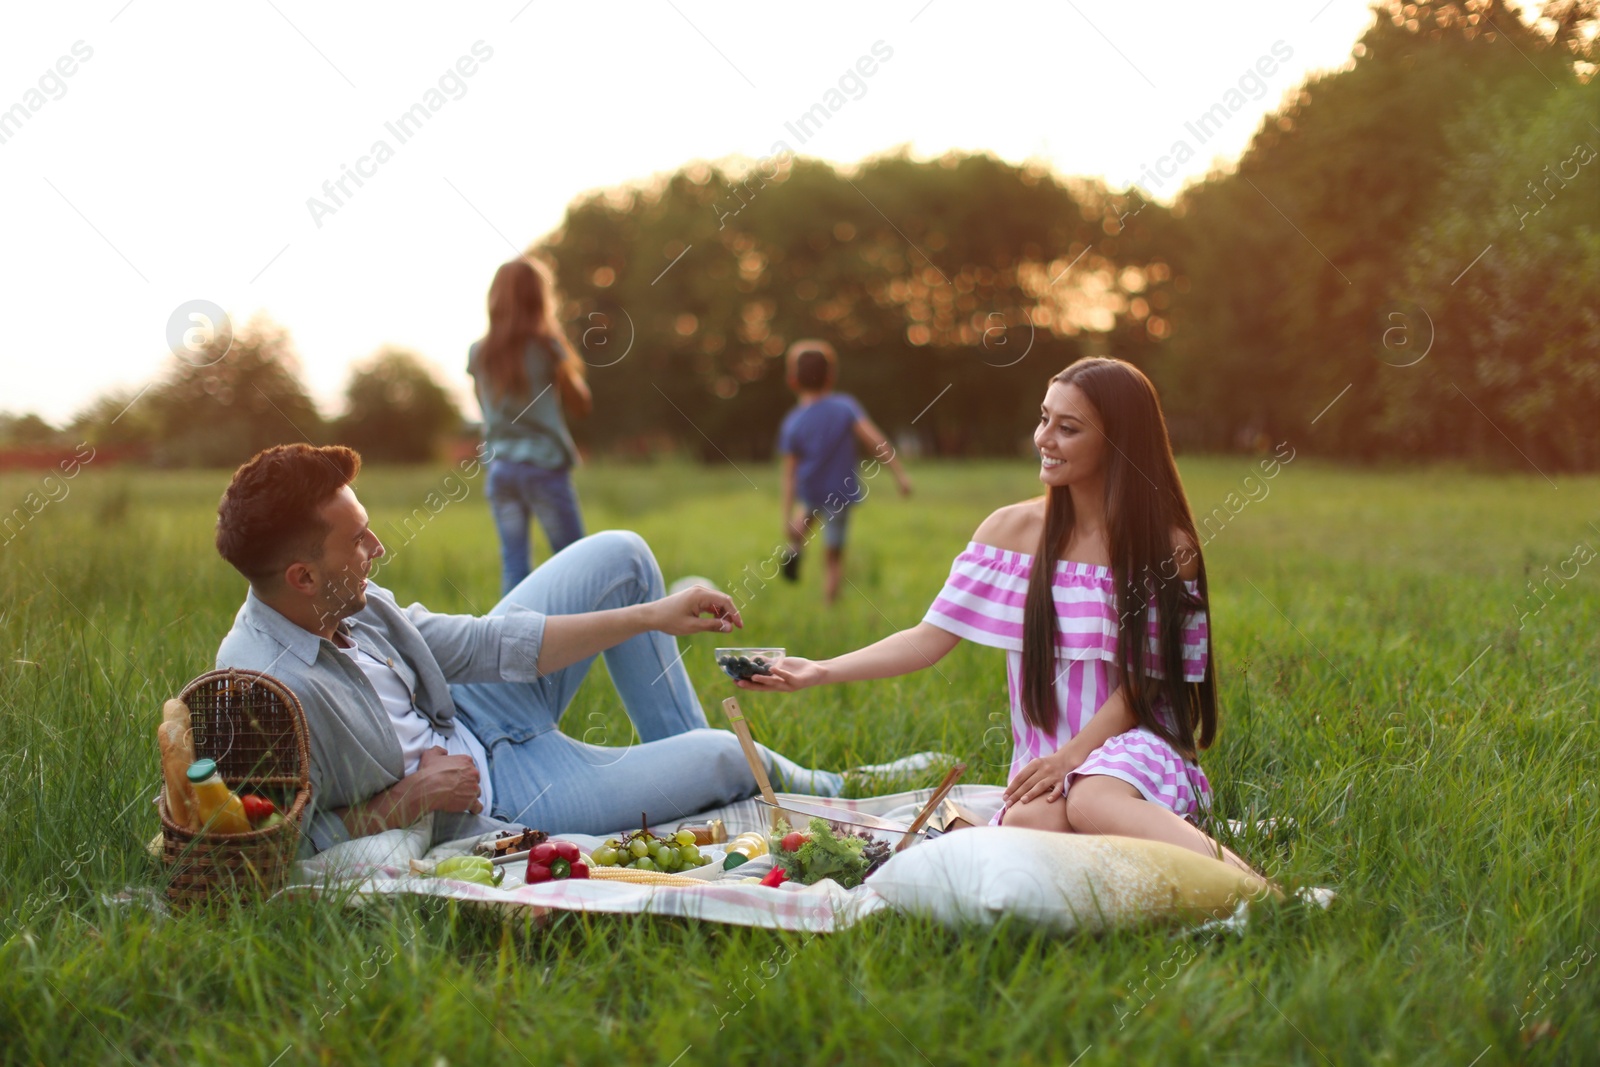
[791,567]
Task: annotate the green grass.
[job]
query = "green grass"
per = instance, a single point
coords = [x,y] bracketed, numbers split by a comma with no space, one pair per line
[1453,808]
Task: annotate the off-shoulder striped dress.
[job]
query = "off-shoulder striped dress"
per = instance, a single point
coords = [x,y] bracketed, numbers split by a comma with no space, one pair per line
[982,602]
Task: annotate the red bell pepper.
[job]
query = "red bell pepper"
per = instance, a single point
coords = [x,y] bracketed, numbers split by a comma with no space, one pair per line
[548,862]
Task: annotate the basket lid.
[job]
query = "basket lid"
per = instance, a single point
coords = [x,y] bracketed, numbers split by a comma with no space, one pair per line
[250,724]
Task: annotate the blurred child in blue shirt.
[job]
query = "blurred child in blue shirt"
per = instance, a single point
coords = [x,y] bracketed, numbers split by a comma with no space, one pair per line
[818,444]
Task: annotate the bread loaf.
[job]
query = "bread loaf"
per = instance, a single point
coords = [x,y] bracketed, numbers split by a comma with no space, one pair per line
[175,736]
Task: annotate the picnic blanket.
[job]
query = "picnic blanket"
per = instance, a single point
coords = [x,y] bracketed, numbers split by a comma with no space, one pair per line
[380,865]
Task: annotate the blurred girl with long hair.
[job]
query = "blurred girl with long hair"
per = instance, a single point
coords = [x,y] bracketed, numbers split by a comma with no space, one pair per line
[1112,689]
[524,374]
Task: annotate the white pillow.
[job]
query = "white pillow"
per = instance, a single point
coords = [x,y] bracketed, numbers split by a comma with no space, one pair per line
[1064,882]
[389,848]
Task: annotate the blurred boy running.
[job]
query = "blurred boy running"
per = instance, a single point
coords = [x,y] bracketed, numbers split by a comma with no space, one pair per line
[818,443]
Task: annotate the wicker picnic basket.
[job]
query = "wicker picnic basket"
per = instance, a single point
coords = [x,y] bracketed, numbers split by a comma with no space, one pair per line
[254,728]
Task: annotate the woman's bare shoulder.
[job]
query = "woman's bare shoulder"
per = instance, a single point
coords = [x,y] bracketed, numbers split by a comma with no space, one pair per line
[1014,528]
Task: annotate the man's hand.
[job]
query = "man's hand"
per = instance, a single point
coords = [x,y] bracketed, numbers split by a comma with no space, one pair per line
[696,610]
[441,782]
[447,783]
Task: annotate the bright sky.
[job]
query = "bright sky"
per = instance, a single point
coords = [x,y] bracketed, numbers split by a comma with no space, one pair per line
[175,162]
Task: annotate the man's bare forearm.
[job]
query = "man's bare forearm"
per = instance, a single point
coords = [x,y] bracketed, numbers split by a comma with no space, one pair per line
[399,805]
[570,638]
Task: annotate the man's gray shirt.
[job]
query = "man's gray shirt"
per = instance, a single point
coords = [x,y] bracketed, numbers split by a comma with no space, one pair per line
[355,753]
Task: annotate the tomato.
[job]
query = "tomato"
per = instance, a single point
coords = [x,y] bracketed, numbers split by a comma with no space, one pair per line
[257,808]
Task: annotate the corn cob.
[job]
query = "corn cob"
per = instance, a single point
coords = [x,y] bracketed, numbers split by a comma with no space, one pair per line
[628,874]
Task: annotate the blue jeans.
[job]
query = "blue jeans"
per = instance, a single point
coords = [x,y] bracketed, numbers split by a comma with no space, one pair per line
[545,779]
[519,492]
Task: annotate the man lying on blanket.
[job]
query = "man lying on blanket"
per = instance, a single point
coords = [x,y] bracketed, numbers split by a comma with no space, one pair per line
[411,711]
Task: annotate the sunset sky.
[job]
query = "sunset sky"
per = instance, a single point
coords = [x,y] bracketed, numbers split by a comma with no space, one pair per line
[176,161]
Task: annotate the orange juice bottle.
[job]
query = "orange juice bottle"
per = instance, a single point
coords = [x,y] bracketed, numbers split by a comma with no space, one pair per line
[220,811]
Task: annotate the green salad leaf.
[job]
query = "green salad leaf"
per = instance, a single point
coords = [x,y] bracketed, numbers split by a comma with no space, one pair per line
[825,855]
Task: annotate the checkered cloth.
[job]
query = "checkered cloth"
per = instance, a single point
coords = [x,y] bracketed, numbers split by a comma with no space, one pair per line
[380,866]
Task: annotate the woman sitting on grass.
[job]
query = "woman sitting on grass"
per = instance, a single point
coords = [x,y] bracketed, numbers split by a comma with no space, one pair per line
[1101,647]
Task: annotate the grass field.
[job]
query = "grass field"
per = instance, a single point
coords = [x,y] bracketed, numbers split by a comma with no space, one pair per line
[1380,683]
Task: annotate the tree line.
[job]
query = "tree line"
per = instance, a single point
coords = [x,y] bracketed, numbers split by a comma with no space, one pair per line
[1405,261]
[242,392]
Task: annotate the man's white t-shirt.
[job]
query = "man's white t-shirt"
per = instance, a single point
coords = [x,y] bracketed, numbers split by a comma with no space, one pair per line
[415,733]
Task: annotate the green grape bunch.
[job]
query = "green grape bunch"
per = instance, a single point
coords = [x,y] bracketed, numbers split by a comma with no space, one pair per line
[641,850]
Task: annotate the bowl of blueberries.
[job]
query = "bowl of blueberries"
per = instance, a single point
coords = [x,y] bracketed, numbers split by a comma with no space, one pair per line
[743,664]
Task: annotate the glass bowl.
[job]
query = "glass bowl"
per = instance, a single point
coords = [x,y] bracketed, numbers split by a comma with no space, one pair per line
[799,813]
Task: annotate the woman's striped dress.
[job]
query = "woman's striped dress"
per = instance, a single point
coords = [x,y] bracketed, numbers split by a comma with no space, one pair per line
[982,602]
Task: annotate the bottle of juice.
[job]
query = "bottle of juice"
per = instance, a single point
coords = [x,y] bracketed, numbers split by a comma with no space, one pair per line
[220,811]
[711,833]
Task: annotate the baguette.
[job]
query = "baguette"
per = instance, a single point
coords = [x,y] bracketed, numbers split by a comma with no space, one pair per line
[175,736]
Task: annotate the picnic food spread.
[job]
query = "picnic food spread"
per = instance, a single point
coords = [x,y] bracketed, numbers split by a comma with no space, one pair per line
[220,811]
[509,841]
[213,808]
[197,797]
[175,736]
[744,848]
[743,664]
[642,850]
[476,869]
[810,856]
[554,860]
[262,813]
[713,832]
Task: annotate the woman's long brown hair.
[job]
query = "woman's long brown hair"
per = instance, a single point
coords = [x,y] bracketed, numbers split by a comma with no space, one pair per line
[522,306]
[1144,504]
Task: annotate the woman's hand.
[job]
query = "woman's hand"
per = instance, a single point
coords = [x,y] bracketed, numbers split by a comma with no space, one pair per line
[696,610]
[1045,776]
[790,673]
